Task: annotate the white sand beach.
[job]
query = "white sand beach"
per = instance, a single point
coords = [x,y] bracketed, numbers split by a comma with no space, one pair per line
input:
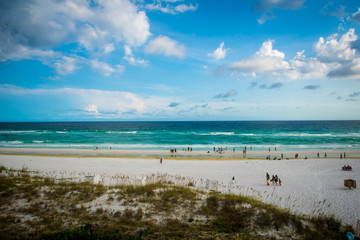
[312,186]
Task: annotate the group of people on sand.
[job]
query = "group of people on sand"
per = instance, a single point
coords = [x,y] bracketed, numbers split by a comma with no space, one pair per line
[274,180]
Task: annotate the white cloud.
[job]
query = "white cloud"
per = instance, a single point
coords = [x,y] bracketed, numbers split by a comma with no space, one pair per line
[105,68]
[184,8]
[171,7]
[334,58]
[347,70]
[219,53]
[93,109]
[85,100]
[302,67]
[66,65]
[333,50]
[166,46]
[29,29]
[109,48]
[339,55]
[265,60]
[131,59]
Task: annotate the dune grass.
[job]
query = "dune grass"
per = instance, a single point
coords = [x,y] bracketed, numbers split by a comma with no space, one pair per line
[37,207]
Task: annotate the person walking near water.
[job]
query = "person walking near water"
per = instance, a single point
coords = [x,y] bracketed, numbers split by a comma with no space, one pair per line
[267,179]
[160,160]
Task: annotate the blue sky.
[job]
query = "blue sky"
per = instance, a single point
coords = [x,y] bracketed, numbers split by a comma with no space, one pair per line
[74,60]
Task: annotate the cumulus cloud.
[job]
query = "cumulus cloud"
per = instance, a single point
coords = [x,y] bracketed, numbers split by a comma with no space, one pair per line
[170,7]
[105,68]
[332,50]
[265,60]
[66,65]
[30,29]
[335,58]
[347,70]
[219,53]
[266,7]
[302,67]
[231,93]
[340,55]
[167,46]
[312,87]
[131,59]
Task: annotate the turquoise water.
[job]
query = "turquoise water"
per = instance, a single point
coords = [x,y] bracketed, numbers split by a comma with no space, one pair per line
[285,135]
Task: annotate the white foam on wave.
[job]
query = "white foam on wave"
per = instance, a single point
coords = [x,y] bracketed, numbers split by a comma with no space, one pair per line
[217,133]
[318,135]
[14,131]
[125,132]
[13,142]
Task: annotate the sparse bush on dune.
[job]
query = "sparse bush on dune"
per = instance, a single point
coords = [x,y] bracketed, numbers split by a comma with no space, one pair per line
[35,207]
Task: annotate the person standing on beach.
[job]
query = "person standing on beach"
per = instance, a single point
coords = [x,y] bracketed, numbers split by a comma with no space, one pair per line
[344,155]
[279,182]
[267,179]
[160,160]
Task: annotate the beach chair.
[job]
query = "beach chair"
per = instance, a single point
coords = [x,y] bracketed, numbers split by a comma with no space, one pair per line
[350,183]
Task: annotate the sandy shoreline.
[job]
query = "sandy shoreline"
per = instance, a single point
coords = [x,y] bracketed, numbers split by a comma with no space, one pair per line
[312,187]
[196,155]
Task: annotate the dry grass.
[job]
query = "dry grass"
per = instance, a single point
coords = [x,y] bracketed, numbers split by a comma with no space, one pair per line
[36,207]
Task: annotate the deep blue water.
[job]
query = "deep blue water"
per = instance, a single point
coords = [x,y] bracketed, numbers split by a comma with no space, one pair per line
[285,135]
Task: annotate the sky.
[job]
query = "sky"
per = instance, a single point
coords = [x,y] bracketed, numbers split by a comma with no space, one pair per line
[186,60]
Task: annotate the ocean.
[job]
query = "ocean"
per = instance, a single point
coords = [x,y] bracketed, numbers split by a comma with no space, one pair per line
[200,135]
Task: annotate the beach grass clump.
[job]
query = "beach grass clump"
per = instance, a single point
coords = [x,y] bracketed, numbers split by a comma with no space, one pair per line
[37,207]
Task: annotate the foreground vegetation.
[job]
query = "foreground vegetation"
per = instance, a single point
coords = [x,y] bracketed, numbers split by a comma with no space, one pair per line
[37,207]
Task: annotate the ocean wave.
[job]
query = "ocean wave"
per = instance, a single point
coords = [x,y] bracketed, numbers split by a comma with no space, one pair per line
[216,133]
[317,135]
[15,131]
[117,132]
[35,141]
[180,147]
[11,142]
[61,132]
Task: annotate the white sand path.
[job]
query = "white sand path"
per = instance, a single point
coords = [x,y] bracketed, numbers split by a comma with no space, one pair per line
[311,187]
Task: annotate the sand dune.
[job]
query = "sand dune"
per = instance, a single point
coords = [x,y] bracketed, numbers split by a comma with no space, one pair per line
[311,187]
